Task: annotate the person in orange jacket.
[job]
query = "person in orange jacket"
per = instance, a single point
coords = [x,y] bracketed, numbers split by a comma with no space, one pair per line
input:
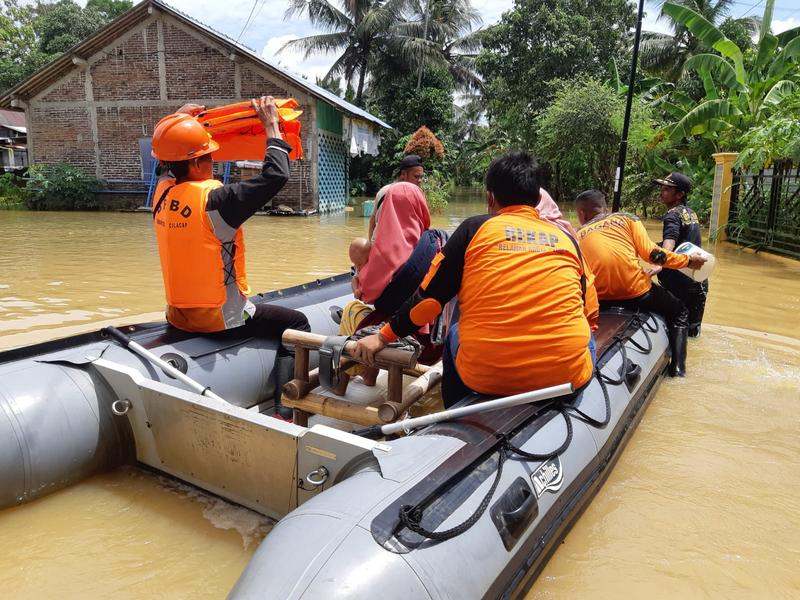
[198,223]
[526,297]
[612,244]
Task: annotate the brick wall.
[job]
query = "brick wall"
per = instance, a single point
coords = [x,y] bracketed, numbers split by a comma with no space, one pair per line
[128,71]
[194,69]
[71,87]
[119,129]
[127,102]
[62,134]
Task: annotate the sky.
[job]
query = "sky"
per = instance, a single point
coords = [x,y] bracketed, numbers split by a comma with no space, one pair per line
[268,31]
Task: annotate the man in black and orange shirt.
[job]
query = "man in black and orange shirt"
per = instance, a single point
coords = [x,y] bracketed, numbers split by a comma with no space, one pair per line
[526,297]
[612,244]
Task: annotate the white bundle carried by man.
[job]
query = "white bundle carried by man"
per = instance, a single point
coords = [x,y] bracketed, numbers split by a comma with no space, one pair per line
[705,270]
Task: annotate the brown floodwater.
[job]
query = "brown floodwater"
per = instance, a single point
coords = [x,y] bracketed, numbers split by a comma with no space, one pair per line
[704,502]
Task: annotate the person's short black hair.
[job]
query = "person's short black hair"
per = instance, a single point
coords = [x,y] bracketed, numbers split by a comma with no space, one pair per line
[179,168]
[514,179]
[409,162]
[593,198]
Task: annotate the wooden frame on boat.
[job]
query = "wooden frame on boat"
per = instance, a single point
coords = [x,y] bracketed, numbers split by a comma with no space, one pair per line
[297,394]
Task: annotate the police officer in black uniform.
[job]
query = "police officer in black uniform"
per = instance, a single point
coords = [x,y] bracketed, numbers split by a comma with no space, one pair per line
[681,225]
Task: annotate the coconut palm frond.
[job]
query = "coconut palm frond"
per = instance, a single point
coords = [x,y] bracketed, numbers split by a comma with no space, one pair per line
[324,42]
[321,13]
[467,44]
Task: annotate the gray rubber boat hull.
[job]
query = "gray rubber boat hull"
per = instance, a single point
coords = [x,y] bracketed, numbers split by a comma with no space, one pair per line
[56,424]
[348,542]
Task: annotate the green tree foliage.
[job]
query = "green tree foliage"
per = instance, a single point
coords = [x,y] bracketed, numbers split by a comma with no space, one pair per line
[398,101]
[440,34]
[579,133]
[109,9]
[61,25]
[434,34]
[31,35]
[61,187]
[540,41]
[777,138]
[20,54]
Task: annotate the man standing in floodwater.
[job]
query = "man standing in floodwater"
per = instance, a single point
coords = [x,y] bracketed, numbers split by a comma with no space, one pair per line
[411,170]
[682,225]
[200,241]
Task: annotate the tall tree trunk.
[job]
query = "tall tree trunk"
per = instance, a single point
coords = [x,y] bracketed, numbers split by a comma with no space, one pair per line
[424,39]
[362,74]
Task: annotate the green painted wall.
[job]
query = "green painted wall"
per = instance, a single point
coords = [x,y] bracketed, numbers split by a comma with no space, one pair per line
[328,118]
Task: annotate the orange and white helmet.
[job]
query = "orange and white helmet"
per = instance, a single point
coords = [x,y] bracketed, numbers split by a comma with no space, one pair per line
[180,137]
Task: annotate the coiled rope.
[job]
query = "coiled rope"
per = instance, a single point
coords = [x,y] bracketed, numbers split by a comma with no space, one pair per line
[411,516]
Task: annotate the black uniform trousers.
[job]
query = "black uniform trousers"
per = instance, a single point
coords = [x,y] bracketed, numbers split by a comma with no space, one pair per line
[692,293]
[659,301]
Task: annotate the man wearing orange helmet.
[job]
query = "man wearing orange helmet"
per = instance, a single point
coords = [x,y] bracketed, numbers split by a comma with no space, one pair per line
[200,241]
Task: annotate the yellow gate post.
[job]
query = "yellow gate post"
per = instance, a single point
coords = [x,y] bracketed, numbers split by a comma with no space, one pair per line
[721,195]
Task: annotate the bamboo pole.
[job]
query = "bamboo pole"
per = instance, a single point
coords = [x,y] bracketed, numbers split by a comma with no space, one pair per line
[390,411]
[388,357]
[335,408]
[296,389]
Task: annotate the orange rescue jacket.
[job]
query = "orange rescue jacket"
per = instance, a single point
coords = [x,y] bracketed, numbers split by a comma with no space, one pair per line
[612,245]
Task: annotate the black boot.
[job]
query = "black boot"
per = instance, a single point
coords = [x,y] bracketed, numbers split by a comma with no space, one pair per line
[677,343]
[694,330]
[282,373]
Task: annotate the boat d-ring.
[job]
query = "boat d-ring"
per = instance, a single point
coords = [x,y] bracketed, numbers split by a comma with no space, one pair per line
[318,476]
[121,407]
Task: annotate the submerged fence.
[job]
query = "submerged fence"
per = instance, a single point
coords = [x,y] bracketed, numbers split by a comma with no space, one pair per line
[765,209]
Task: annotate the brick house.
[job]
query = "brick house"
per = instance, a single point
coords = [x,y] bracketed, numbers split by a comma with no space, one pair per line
[96,105]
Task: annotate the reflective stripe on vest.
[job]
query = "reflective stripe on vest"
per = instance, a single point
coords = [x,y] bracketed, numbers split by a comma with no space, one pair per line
[197,262]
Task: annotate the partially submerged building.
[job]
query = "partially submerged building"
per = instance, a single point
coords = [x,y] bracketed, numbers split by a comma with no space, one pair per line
[13,141]
[95,106]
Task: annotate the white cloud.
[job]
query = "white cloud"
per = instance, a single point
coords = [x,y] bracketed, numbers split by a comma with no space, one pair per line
[492,10]
[780,25]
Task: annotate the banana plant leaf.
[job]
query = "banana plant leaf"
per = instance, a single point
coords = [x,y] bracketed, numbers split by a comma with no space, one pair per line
[779,92]
[673,110]
[702,115]
[716,65]
[787,36]
[766,50]
[707,33]
[786,60]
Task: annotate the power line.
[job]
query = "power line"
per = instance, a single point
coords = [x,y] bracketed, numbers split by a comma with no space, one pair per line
[751,9]
[777,8]
[247,22]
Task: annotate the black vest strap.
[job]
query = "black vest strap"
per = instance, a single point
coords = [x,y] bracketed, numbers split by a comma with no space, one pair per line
[163,197]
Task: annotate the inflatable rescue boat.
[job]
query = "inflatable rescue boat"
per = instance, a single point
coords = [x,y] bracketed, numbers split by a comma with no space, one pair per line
[466,508]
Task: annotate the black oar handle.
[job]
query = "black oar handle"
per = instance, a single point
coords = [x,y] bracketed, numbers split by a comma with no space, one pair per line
[115,333]
[373,432]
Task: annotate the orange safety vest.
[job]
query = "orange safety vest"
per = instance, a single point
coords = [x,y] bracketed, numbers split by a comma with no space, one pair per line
[193,258]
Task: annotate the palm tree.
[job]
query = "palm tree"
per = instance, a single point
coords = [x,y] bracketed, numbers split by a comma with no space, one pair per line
[665,54]
[440,33]
[357,30]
